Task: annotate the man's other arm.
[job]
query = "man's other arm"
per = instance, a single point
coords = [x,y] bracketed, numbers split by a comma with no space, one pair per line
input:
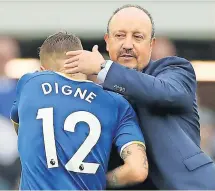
[133,171]
[129,140]
[173,87]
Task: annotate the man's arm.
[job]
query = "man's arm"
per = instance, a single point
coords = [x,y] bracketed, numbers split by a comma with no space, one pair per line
[129,140]
[173,84]
[173,87]
[133,171]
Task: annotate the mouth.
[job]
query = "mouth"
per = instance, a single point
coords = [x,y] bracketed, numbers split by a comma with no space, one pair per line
[126,56]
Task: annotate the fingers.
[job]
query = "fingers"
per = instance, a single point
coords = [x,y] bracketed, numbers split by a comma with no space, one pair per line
[72,70]
[74,53]
[73,64]
[71,60]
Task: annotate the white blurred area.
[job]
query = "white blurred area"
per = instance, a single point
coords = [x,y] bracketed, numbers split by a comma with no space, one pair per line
[16,68]
[8,142]
[177,19]
[205,70]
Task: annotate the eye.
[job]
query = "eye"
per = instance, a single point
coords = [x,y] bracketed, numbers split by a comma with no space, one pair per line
[139,37]
[119,35]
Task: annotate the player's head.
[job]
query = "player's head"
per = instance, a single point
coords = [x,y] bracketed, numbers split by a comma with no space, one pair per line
[130,36]
[53,50]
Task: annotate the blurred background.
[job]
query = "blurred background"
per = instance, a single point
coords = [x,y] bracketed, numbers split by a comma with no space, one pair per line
[185,29]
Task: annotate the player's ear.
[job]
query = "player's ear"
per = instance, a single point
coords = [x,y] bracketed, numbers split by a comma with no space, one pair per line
[42,68]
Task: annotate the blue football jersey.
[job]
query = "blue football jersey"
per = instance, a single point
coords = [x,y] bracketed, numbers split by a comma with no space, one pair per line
[66,131]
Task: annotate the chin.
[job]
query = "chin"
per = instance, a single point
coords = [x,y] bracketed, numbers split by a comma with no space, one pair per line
[129,64]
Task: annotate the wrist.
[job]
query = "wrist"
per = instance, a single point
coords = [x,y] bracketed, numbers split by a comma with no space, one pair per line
[101,66]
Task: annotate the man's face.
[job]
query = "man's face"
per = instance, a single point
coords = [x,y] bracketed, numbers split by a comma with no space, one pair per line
[129,40]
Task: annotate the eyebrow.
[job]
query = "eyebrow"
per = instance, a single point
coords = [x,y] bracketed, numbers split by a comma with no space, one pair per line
[137,31]
[134,32]
[119,31]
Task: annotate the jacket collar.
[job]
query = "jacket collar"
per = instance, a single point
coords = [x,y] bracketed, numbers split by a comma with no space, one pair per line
[145,69]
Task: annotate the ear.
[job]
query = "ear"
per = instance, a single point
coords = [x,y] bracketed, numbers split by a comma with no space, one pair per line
[106,38]
[42,68]
[153,41]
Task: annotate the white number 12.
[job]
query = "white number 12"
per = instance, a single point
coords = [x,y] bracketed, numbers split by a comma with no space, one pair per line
[76,163]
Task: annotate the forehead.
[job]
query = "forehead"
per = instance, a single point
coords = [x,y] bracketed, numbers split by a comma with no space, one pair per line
[131,20]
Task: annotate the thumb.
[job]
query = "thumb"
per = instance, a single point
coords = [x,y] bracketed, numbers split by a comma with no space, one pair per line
[95,48]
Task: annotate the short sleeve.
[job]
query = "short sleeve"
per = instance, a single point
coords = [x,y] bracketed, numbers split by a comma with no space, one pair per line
[128,131]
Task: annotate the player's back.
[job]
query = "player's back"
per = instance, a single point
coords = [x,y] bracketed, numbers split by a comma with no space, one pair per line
[66,129]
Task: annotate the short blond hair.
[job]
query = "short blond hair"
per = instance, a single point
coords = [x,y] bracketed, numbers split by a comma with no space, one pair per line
[56,46]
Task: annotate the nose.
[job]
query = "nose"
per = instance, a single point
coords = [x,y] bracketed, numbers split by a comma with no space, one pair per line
[128,43]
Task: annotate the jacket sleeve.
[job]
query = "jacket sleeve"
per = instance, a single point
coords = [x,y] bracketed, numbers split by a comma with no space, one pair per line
[173,86]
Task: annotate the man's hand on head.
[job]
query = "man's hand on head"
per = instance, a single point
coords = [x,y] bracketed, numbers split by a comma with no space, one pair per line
[84,61]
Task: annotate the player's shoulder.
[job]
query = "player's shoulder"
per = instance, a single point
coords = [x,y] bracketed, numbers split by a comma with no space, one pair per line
[124,108]
[25,78]
[28,77]
[119,99]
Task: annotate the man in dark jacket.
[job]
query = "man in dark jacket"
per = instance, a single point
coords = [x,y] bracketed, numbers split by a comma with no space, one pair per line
[163,93]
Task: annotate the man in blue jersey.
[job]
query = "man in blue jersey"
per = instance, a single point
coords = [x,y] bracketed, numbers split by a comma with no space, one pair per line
[66,126]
